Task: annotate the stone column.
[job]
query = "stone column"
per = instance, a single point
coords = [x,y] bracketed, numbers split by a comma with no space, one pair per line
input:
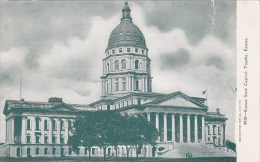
[133,86]
[165,127]
[50,130]
[157,123]
[203,129]
[33,127]
[224,134]
[188,128]
[173,128]
[206,133]
[66,131]
[195,129]
[23,133]
[58,131]
[42,129]
[148,117]
[181,129]
[128,84]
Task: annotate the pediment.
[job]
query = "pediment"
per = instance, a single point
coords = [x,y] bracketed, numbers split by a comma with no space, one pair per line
[179,102]
[178,99]
[62,107]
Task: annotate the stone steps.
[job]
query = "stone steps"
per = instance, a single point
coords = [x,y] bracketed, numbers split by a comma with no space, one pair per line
[197,150]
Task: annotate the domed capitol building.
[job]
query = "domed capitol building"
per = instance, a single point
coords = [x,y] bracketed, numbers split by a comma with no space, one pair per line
[37,129]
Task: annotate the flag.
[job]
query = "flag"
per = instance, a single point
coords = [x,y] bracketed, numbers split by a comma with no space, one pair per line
[203,92]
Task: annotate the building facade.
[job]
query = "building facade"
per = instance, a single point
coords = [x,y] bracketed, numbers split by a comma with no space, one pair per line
[43,128]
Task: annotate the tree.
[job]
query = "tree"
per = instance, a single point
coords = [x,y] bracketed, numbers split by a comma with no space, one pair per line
[138,132]
[111,128]
[84,133]
[231,145]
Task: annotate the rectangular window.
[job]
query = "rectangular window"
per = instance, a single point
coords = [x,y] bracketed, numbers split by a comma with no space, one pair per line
[120,50]
[37,151]
[45,151]
[62,152]
[62,125]
[62,140]
[124,86]
[209,130]
[37,124]
[113,51]
[53,125]
[45,139]
[137,85]
[28,152]
[136,50]
[209,139]
[142,51]
[128,49]
[28,124]
[28,139]
[53,139]
[117,85]
[139,101]
[45,125]
[53,151]
[37,137]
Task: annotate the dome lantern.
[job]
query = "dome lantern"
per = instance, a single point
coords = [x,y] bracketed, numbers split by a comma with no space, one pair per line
[126,12]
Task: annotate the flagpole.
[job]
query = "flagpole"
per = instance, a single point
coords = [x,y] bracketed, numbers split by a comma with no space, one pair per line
[21,74]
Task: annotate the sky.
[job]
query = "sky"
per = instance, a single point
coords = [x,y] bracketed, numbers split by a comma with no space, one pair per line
[59,46]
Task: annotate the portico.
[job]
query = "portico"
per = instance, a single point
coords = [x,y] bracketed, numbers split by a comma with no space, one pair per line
[178,127]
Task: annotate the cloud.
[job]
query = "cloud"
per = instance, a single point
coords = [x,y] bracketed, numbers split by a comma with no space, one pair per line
[216,61]
[193,17]
[175,60]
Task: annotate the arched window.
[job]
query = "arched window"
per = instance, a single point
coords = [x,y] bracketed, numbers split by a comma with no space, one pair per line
[107,67]
[116,65]
[28,124]
[123,62]
[136,64]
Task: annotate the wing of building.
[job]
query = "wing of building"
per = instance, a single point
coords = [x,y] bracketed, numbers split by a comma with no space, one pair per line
[43,128]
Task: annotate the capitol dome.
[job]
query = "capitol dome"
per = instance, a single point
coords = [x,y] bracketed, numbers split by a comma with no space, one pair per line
[126,33]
